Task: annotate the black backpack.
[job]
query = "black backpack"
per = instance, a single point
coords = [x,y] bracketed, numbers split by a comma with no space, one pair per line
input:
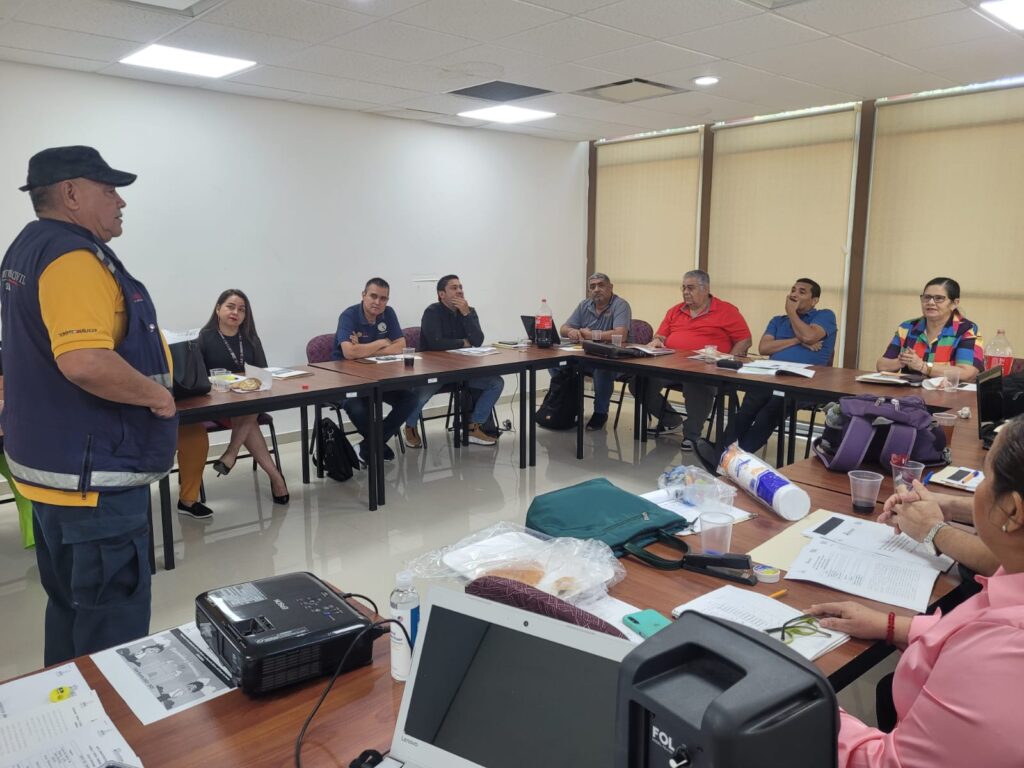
[334,453]
[558,411]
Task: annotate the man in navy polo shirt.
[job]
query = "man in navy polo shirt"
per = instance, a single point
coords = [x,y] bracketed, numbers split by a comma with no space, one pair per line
[368,329]
[804,334]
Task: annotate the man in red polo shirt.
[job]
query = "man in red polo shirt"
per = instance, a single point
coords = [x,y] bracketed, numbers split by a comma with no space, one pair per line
[699,320]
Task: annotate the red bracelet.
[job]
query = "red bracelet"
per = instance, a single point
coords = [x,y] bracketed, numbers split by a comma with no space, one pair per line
[890,632]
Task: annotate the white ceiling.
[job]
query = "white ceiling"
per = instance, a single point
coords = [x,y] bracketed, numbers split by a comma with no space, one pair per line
[402,57]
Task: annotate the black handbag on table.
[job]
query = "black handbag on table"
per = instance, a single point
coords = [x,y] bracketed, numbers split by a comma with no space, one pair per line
[190,375]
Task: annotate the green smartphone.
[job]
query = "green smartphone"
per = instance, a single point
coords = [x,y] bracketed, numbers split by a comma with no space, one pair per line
[645,623]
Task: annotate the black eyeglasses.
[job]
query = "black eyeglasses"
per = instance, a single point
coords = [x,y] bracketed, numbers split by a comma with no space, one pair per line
[799,626]
[926,297]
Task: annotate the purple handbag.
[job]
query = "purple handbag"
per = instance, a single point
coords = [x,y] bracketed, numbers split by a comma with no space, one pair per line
[869,428]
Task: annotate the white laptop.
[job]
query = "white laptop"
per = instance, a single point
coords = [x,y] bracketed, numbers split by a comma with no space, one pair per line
[496,687]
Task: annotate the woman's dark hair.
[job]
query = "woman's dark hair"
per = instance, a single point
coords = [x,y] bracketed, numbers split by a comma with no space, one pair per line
[951,286]
[1008,461]
[248,327]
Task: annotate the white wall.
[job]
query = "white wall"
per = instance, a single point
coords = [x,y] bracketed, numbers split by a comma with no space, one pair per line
[299,205]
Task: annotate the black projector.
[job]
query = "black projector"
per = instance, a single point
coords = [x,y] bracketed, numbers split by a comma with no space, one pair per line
[282,630]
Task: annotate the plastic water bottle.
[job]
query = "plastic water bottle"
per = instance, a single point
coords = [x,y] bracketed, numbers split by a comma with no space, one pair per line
[405,607]
[544,325]
[998,352]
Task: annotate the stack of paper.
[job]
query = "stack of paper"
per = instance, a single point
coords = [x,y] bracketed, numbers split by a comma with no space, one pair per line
[777,368]
[869,560]
[287,373]
[73,731]
[475,351]
[757,611]
[666,499]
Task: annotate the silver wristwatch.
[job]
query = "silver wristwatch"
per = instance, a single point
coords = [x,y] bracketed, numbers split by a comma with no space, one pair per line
[929,540]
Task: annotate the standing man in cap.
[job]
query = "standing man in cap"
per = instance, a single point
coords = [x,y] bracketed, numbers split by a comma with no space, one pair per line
[89,421]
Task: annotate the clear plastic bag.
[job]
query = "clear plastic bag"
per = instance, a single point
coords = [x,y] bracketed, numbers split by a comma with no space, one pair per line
[571,569]
[695,487]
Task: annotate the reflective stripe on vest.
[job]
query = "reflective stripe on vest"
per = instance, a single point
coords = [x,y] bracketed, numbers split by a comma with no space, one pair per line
[62,481]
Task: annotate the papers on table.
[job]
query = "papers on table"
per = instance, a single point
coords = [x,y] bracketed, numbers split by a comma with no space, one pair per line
[883,378]
[612,610]
[712,357]
[777,368]
[512,344]
[74,732]
[781,550]
[664,498]
[650,351]
[877,538]
[475,351]
[383,359]
[865,574]
[287,373]
[757,611]
[964,478]
[937,382]
[165,673]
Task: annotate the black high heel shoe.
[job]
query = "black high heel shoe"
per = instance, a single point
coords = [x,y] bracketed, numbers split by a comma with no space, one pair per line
[281,499]
[221,468]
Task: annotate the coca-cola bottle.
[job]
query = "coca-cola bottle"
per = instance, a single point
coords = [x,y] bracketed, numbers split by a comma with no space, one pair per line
[998,352]
[544,325]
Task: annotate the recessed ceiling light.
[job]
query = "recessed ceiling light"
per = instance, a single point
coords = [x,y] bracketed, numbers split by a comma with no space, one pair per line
[507,114]
[705,80]
[1010,11]
[188,62]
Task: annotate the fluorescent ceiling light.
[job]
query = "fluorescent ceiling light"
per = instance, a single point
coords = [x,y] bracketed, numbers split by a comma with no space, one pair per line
[188,62]
[705,80]
[507,114]
[1010,11]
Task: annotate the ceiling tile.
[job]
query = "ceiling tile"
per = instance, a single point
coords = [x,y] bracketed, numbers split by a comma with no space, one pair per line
[328,101]
[243,89]
[462,122]
[153,75]
[573,6]
[572,39]
[840,16]
[838,65]
[646,59]
[750,35]
[378,8]
[401,114]
[445,103]
[297,19]
[101,18]
[742,83]
[9,7]
[323,85]
[566,77]
[16,34]
[230,41]
[50,60]
[418,77]
[478,19]
[492,62]
[693,108]
[941,29]
[635,115]
[974,61]
[401,41]
[335,62]
[663,18]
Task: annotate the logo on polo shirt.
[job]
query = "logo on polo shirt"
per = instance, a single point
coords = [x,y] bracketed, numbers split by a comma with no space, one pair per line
[382,327]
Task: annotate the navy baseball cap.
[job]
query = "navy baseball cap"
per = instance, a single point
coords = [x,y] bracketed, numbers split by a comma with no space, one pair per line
[62,163]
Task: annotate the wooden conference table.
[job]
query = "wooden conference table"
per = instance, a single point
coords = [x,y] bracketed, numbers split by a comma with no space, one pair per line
[361,710]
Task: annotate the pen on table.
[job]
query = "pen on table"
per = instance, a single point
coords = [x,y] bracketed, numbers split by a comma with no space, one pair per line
[780,593]
[927,478]
[974,474]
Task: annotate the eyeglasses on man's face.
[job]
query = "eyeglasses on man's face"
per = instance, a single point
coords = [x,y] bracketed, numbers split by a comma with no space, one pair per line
[933,298]
[800,626]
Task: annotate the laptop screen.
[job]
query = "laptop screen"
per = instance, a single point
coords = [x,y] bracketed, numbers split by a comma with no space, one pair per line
[499,696]
[990,401]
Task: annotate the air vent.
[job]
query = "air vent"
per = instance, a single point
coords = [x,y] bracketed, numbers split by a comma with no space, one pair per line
[499,90]
[181,7]
[628,91]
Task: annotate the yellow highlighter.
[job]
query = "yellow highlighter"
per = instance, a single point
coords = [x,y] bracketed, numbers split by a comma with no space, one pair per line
[60,693]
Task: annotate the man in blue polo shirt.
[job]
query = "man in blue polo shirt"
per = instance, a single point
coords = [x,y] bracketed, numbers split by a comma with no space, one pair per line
[368,329]
[804,334]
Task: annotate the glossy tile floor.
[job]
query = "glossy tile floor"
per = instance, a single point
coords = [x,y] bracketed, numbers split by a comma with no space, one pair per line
[435,496]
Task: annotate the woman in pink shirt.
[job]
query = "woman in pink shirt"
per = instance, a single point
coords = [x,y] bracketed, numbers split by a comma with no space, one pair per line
[958,690]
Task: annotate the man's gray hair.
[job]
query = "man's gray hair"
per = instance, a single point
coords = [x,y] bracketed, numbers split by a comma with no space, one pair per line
[600,276]
[702,277]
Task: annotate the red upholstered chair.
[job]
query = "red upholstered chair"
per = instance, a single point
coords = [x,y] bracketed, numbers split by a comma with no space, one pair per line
[320,348]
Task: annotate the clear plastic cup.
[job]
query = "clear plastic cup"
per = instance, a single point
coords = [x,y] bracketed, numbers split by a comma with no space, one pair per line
[951,379]
[710,350]
[409,357]
[523,344]
[864,486]
[903,476]
[616,339]
[947,422]
[715,532]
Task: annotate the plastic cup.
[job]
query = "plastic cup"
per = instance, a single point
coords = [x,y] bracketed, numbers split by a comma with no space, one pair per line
[710,350]
[864,487]
[617,340]
[409,357]
[951,379]
[219,385]
[903,476]
[715,532]
[523,344]
[596,335]
[947,422]
[218,372]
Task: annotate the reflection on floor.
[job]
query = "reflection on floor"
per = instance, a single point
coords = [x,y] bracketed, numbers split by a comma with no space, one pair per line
[434,497]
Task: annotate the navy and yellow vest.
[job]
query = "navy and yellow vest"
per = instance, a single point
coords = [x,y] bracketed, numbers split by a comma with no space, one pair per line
[57,435]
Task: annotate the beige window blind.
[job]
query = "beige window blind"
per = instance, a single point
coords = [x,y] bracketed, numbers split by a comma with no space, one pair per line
[780,209]
[947,197]
[646,219]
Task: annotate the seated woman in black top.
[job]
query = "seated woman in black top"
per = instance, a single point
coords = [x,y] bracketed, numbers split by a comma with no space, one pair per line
[228,340]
